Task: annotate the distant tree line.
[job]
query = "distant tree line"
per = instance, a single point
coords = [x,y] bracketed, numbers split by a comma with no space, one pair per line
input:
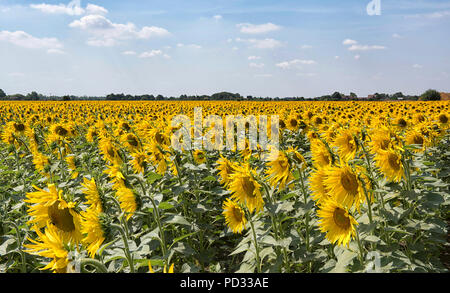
[430,95]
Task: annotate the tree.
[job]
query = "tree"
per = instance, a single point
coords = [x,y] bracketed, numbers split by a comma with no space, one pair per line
[66,98]
[2,94]
[33,96]
[336,96]
[430,95]
[353,95]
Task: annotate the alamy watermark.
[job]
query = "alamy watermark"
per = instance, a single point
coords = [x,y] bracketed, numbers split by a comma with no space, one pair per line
[374,7]
[208,133]
[374,264]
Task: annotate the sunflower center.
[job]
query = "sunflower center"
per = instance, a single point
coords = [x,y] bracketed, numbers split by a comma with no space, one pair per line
[443,118]
[393,161]
[384,144]
[159,138]
[61,218]
[237,213]
[19,127]
[418,139]
[349,182]
[402,122]
[293,122]
[111,152]
[61,131]
[340,218]
[132,140]
[248,186]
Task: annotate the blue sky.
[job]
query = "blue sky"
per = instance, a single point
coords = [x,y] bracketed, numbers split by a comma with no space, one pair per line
[261,48]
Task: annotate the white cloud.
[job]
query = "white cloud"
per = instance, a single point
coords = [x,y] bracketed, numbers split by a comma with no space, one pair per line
[357,57]
[167,56]
[248,28]
[289,64]
[217,17]
[263,75]
[71,9]
[397,36]
[349,42]
[365,48]
[417,66]
[192,46]
[95,9]
[336,57]
[304,47]
[151,54]
[256,65]
[235,48]
[25,40]
[261,43]
[254,58]
[107,33]
[129,53]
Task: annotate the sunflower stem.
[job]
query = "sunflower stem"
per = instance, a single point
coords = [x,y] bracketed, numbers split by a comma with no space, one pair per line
[258,259]
[19,247]
[128,255]
[95,263]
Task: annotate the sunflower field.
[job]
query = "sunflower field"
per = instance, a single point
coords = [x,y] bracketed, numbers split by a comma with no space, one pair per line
[97,187]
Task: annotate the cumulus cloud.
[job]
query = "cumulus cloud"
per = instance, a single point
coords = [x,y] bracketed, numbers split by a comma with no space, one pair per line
[248,28]
[129,53]
[349,42]
[254,57]
[290,64]
[261,43]
[397,36]
[357,57]
[417,66]
[151,54]
[263,75]
[217,17]
[106,33]
[304,47]
[192,46]
[365,48]
[73,8]
[25,40]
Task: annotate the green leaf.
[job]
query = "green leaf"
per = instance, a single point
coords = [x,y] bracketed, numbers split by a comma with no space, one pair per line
[165,205]
[177,219]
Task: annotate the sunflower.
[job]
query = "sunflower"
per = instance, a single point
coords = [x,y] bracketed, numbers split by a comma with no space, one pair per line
[50,244]
[50,207]
[234,216]
[150,268]
[199,157]
[127,199]
[72,163]
[382,139]
[390,164]
[317,186]
[93,198]
[157,157]
[344,186]
[41,163]
[115,174]
[346,144]
[246,190]
[414,137]
[131,141]
[336,221]
[109,151]
[321,155]
[93,228]
[139,161]
[226,169]
[92,134]
[297,157]
[278,171]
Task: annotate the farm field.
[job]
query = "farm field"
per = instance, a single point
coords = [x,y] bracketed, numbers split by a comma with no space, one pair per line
[100,187]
